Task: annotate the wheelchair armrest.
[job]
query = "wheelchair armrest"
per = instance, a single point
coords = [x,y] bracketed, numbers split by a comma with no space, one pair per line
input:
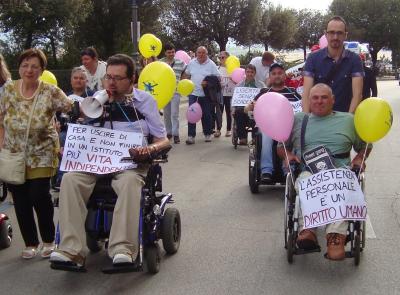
[159,157]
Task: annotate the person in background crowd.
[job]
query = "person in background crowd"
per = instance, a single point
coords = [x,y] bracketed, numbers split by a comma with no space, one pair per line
[337,67]
[95,68]
[370,88]
[171,110]
[242,119]
[227,91]
[262,64]
[19,99]
[197,70]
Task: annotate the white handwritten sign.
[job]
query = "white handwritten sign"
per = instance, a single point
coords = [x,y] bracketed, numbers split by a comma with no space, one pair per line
[97,150]
[297,106]
[76,97]
[243,95]
[330,196]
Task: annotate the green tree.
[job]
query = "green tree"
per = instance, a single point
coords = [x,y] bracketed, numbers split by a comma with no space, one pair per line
[42,22]
[373,21]
[250,16]
[310,25]
[108,27]
[189,22]
[279,27]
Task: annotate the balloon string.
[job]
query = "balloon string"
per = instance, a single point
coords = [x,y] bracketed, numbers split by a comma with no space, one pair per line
[363,160]
[288,164]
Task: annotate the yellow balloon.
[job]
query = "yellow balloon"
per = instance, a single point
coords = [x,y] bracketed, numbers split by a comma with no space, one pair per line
[159,47]
[373,119]
[232,63]
[149,45]
[158,79]
[48,77]
[185,87]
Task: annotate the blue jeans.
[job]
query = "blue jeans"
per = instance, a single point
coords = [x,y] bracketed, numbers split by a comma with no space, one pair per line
[206,119]
[267,161]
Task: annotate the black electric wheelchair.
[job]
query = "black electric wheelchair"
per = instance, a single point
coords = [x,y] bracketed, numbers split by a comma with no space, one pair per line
[255,180]
[156,221]
[356,232]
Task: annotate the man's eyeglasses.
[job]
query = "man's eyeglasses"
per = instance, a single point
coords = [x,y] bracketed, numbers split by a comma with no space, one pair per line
[115,78]
[337,33]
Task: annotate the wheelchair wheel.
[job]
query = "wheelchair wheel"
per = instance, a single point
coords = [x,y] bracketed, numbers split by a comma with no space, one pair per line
[363,234]
[290,246]
[93,245]
[5,234]
[234,135]
[3,191]
[253,176]
[171,230]
[153,258]
[357,248]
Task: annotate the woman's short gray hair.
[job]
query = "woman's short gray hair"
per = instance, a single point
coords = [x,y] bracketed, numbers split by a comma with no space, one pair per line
[78,69]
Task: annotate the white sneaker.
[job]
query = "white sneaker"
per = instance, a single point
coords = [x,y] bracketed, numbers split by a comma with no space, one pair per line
[207,138]
[59,257]
[190,140]
[122,258]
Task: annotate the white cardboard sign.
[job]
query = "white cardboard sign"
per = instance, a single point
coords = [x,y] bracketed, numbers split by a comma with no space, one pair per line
[330,196]
[97,150]
[242,96]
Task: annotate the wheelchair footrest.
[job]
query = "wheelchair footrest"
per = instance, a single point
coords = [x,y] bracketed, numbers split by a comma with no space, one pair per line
[67,266]
[299,251]
[122,268]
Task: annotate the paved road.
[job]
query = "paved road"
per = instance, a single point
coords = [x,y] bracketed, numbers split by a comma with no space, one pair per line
[232,240]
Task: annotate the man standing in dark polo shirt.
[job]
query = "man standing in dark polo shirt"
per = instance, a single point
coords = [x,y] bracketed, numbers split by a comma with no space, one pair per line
[337,67]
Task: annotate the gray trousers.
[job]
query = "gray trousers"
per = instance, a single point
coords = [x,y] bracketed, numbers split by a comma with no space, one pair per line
[171,115]
[75,190]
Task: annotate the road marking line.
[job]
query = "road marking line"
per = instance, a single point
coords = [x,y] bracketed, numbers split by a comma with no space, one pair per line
[370,233]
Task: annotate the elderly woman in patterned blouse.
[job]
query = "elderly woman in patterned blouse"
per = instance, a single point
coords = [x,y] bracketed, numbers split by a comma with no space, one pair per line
[41,149]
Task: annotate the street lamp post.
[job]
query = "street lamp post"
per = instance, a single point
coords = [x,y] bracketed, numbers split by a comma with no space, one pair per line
[135,53]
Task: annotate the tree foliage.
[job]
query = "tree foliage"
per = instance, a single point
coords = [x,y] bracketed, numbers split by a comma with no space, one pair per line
[42,22]
[278,27]
[310,25]
[190,21]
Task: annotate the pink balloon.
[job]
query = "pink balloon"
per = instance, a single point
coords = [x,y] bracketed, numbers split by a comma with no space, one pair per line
[194,113]
[238,75]
[274,116]
[183,56]
[323,42]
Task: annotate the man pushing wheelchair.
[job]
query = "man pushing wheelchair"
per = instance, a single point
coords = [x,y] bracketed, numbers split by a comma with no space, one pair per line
[333,135]
[130,110]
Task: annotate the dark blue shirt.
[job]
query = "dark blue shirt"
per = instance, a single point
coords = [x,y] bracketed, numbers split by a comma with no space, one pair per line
[319,65]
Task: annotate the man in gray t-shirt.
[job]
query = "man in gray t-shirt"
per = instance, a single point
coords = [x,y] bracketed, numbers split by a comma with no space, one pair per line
[336,132]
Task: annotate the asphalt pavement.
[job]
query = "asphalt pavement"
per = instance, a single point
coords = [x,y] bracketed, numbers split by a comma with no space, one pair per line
[232,240]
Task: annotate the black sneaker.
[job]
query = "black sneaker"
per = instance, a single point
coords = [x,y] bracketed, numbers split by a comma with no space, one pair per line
[266,177]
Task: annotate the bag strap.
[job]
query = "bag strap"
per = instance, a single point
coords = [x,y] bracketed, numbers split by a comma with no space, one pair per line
[303,134]
[30,120]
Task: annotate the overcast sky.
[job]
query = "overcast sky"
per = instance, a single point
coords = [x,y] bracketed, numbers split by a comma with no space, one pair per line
[299,4]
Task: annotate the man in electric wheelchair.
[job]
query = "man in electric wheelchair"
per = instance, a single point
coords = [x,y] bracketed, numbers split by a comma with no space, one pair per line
[269,166]
[131,110]
[335,133]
